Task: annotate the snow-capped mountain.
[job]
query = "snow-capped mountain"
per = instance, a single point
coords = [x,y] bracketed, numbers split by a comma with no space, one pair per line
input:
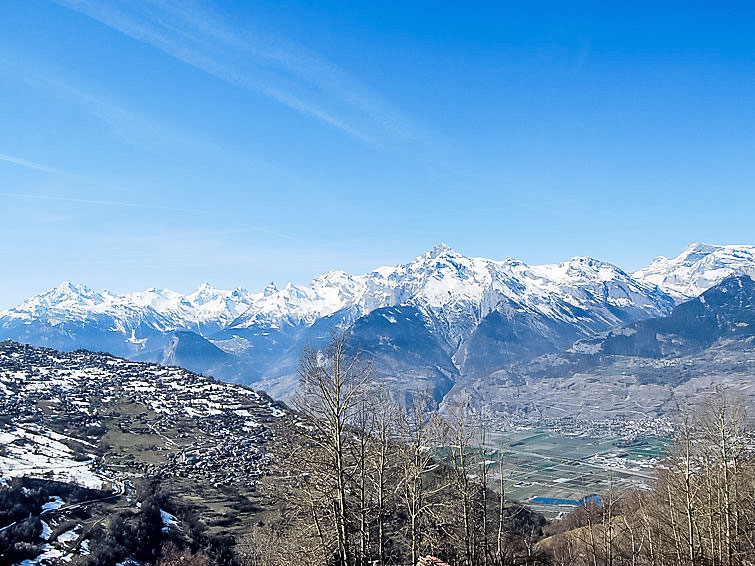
[645,369]
[445,312]
[75,316]
[698,268]
[726,310]
[460,291]
[438,317]
[206,309]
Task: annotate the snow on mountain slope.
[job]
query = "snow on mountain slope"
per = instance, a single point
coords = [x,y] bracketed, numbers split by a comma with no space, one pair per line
[162,310]
[438,318]
[478,314]
[698,268]
[459,291]
[207,309]
[303,305]
[78,303]
[455,290]
[605,291]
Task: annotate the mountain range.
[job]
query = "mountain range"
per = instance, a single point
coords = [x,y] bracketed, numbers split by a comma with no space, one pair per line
[439,321]
[643,370]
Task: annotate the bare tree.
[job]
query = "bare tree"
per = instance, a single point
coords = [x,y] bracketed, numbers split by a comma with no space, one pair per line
[332,384]
[361,452]
[459,439]
[419,433]
[483,467]
[722,423]
[384,463]
[699,509]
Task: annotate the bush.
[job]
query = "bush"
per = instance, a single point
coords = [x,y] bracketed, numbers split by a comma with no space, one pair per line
[18,542]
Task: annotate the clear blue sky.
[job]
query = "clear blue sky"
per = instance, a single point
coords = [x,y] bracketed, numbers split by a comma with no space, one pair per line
[168,143]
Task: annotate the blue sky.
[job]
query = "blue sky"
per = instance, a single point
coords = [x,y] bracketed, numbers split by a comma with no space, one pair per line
[170,143]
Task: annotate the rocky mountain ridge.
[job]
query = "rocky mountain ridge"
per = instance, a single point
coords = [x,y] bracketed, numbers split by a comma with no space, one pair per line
[642,370]
[432,320]
[697,269]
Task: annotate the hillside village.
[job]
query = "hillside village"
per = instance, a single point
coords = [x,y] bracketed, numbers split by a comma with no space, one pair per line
[143,419]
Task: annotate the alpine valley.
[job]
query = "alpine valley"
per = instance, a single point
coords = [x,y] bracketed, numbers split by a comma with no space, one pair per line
[516,335]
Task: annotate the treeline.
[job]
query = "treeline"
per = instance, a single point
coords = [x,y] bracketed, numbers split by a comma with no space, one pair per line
[370,485]
[367,484]
[699,511]
[140,534]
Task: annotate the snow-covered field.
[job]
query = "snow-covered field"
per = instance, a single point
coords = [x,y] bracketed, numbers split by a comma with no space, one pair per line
[33,451]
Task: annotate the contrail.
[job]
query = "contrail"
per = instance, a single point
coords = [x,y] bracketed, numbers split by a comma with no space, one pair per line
[32,165]
[54,171]
[153,207]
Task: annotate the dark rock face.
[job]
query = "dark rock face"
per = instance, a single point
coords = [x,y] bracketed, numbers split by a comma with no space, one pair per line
[407,354]
[724,311]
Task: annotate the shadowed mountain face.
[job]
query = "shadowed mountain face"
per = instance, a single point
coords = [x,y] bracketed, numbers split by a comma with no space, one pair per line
[427,324]
[510,334]
[637,371]
[407,354]
[187,349]
[724,311]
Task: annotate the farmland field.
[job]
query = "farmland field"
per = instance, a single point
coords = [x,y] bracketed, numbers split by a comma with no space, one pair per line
[552,470]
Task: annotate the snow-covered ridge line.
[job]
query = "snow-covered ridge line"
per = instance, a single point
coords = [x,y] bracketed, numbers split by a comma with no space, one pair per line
[161,309]
[698,268]
[441,281]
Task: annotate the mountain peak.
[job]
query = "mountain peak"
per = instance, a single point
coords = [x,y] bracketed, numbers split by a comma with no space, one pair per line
[697,251]
[442,249]
[583,259]
[698,268]
[66,288]
[66,293]
[700,247]
[205,292]
[590,263]
[270,289]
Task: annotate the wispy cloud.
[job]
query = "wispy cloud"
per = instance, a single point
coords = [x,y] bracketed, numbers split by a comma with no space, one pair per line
[254,60]
[136,128]
[131,127]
